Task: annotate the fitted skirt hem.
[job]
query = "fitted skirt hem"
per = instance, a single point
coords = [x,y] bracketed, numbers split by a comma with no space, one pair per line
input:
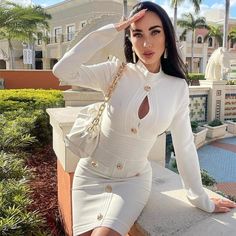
[116,225]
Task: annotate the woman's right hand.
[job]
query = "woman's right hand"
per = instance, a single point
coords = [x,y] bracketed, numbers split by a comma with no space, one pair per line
[126,23]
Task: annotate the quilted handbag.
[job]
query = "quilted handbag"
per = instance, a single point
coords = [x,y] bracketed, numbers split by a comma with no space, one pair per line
[83,138]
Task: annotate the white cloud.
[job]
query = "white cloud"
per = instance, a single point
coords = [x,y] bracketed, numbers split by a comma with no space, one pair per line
[185,7]
[233,3]
[22,2]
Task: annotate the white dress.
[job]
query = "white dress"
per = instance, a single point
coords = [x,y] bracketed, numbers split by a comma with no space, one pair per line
[111,187]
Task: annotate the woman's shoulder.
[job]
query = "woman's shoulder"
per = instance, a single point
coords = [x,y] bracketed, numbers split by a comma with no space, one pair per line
[175,80]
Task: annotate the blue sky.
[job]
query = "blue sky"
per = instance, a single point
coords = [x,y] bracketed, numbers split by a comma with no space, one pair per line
[206,4]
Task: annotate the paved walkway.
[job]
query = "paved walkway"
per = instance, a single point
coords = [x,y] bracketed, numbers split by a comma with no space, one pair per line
[219,159]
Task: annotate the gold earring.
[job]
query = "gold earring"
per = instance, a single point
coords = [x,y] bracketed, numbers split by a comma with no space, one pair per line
[165,53]
[134,56]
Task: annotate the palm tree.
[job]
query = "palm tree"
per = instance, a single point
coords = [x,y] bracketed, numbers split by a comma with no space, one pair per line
[227,5]
[216,32]
[21,24]
[232,36]
[190,24]
[176,3]
[125,8]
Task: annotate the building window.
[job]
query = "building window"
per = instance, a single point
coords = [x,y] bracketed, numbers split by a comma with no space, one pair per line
[83,23]
[210,42]
[57,34]
[70,31]
[199,39]
[231,43]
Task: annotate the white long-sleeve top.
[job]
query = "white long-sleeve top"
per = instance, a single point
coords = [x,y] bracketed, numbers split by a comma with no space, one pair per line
[168,99]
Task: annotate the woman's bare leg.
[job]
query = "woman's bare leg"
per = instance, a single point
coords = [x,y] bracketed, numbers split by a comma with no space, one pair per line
[104,231]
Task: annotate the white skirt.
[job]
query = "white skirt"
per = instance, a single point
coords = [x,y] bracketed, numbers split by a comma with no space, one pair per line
[111,193]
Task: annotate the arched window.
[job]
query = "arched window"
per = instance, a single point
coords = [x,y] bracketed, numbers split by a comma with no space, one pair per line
[210,42]
[199,39]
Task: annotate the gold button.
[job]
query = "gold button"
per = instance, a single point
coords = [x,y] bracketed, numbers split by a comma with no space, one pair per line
[108,189]
[119,166]
[133,130]
[147,88]
[94,163]
[99,216]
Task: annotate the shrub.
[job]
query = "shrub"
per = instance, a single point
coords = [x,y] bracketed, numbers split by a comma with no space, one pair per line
[231,82]
[215,122]
[207,179]
[195,76]
[15,219]
[12,167]
[15,130]
[30,103]
[194,125]
[29,99]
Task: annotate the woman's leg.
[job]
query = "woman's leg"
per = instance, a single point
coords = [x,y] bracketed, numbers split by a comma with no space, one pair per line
[104,231]
[88,233]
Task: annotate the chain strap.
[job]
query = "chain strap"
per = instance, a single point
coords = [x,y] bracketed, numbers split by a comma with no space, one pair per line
[111,88]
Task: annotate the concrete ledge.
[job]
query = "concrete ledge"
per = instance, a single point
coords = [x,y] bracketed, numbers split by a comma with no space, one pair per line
[168,211]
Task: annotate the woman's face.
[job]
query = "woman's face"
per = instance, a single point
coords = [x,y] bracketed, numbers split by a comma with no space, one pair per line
[148,40]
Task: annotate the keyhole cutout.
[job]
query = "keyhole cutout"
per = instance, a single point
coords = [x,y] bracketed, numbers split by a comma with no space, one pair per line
[144,108]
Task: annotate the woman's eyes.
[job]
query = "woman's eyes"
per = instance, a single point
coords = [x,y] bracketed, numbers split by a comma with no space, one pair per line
[154,32]
[137,35]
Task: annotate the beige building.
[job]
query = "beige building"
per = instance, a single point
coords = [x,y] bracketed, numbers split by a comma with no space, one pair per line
[73,19]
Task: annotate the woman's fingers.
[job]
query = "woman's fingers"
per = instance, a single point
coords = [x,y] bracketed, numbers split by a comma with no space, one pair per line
[223,205]
[126,23]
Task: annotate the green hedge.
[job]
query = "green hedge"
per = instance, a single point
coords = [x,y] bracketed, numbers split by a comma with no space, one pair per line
[29,99]
[30,104]
[196,76]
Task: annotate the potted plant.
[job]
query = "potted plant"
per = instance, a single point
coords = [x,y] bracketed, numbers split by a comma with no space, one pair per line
[199,134]
[231,126]
[216,129]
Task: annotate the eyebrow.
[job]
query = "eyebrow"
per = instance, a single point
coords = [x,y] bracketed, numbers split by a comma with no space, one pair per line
[151,28]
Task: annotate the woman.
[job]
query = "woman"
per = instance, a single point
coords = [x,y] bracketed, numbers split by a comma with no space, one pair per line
[111,187]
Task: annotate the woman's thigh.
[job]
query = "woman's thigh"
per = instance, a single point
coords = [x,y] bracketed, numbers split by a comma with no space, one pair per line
[104,231]
[86,233]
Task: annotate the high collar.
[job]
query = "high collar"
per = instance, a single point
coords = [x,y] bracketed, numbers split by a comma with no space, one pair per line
[147,74]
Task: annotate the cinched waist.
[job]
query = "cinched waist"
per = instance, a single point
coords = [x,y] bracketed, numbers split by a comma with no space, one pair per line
[124,147]
[116,168]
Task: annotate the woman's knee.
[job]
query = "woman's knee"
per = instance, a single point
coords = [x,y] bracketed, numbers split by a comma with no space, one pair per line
[104,231]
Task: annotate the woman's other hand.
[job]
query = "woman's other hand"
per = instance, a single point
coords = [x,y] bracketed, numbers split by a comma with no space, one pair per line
[223,205]
[126,23]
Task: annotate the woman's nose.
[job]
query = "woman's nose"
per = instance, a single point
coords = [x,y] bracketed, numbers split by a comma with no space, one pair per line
[147,44]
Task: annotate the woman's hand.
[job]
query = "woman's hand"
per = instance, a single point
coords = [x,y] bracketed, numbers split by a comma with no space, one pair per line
[223,205]
[126,23]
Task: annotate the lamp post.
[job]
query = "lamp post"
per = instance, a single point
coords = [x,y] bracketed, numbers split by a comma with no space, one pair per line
[125,10]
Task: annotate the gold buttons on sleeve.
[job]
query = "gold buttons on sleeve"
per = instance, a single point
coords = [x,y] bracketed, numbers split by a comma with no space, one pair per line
[99,216]
[147,88]
[119,166]
[133,130]
[108,189]
[94,163]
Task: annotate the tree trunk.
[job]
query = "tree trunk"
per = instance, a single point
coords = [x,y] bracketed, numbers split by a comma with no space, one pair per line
[191,65]
[227,5]
[175,19]
[11,56]
[33,55]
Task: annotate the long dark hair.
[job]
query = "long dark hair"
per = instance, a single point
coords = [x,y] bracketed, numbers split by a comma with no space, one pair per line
[173,64]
